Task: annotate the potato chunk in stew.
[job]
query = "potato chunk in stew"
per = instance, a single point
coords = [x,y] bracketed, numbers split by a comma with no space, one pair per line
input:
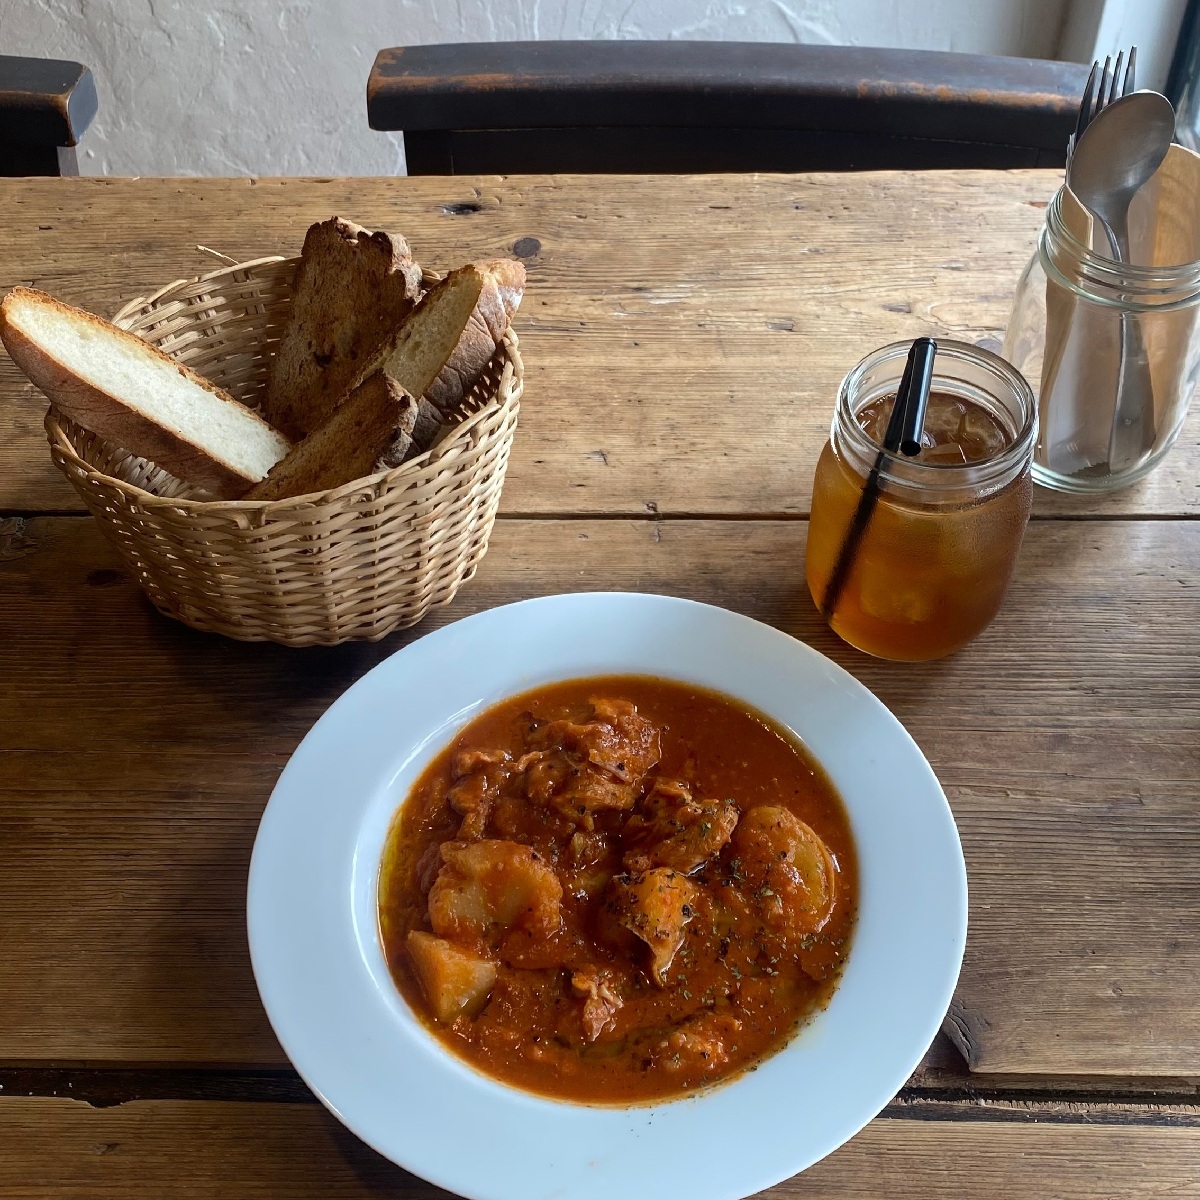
[787,868]
[454,982]
[490,886]
[655,906]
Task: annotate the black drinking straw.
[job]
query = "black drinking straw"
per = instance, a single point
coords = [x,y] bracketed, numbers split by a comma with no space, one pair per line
[920,370]
[903,433]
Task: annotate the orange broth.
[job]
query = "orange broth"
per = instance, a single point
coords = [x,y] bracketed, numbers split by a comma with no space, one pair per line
[580,1008]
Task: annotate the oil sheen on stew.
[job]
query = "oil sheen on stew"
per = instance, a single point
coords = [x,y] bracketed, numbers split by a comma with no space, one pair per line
[617,890]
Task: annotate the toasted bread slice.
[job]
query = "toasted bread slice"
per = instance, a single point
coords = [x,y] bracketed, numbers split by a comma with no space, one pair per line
[374,421]
[503,282]
[135,396]
[425,341]
[352,290]
[503,287]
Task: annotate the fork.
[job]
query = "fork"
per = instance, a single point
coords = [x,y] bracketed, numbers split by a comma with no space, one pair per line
[1095,100]
[1134,390]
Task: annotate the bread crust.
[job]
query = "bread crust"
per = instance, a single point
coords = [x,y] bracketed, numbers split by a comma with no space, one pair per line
[108,416]
[422,424]
[415,350]
[503,287]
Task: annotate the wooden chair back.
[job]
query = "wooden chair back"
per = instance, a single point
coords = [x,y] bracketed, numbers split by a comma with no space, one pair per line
[45,105]
[668,107]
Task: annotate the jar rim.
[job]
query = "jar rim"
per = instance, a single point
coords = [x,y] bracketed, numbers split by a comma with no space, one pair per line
[1107,272]
[899,469]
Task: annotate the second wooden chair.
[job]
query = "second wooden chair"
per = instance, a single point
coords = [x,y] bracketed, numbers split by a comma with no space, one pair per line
[637,106]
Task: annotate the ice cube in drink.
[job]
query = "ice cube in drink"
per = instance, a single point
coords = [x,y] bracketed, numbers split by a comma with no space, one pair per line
[957,431]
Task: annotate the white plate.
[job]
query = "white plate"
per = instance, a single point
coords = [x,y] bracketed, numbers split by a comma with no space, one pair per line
[321,973]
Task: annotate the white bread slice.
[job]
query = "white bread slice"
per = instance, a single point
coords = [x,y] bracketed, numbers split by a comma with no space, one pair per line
[375,420]
[503,287]
[135,396]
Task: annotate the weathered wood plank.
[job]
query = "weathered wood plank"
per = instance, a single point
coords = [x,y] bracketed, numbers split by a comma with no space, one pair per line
[58,1148]
[136,756]
[703,321]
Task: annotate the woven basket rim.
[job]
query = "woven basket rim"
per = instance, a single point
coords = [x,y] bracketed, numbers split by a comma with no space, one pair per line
[457,439]
[137,302]
[428,275]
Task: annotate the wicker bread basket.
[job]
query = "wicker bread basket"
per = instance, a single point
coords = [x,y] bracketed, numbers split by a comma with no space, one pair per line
[353,563]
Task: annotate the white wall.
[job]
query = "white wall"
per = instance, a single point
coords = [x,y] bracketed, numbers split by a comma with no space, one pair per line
[1095,29]
[277,87]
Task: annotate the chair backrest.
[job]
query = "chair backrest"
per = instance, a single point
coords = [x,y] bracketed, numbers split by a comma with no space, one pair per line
[45,105]
[638,106]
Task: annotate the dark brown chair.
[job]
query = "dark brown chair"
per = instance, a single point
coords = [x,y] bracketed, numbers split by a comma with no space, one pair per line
[520,107]
[45,105]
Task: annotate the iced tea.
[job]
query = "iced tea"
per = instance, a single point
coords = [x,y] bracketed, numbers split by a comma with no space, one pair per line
[935,557]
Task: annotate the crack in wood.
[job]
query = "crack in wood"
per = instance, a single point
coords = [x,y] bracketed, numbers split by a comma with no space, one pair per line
[634,514]
[109,1086]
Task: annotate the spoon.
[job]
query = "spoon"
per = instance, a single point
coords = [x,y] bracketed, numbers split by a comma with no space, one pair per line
[1116,155]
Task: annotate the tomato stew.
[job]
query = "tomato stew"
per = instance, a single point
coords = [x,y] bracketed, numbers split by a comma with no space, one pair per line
[616,890]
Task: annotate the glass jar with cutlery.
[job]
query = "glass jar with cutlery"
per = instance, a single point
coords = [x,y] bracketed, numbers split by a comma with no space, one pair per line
[1112,352]
[1104,320]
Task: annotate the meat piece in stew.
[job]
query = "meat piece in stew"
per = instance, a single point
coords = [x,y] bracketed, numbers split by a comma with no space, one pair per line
[673,829]
[655,906]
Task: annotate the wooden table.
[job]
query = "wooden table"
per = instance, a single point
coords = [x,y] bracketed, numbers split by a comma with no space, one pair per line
[683,340]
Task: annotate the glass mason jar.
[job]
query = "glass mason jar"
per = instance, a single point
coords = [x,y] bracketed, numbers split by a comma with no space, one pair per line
[932,562]
[1111,351]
